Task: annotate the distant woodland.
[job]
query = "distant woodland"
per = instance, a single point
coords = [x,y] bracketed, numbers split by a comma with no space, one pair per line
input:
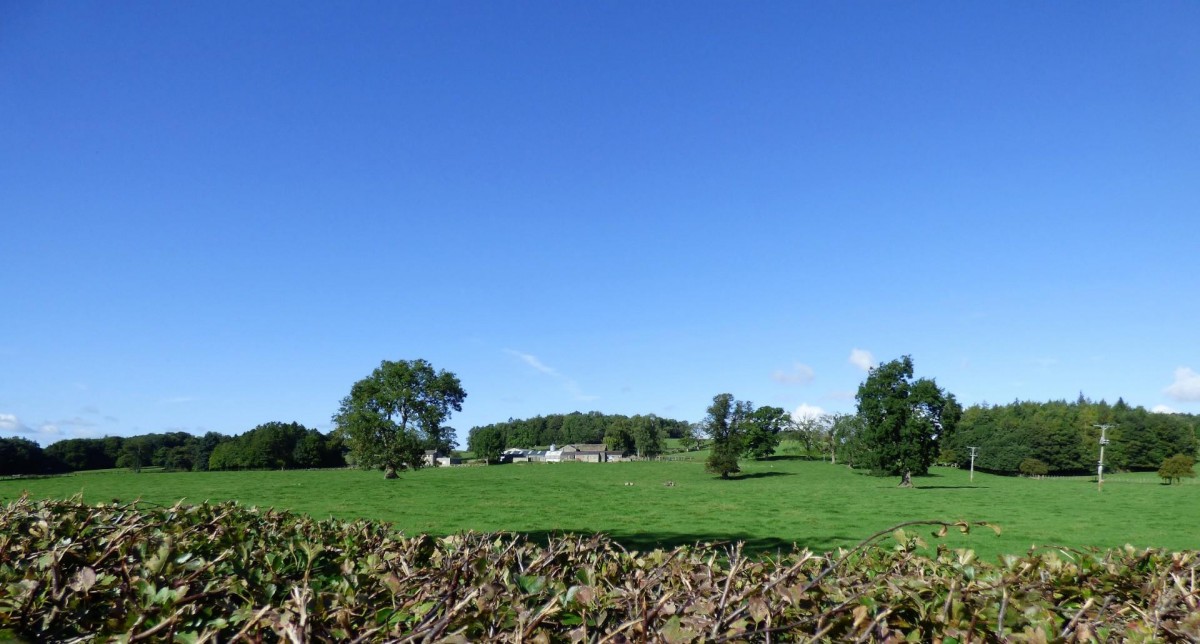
[642,435]
[1065,436]
[269,446]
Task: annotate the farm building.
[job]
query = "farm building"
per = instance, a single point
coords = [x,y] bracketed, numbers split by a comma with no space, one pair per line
[435,458]
[582,453]
[588,453]
[520,455]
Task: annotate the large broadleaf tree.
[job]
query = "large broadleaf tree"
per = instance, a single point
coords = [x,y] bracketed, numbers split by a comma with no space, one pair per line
[903,420]
[392,416]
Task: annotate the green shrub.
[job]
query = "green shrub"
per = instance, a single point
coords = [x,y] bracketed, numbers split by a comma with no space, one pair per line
[1176,468]
[1034,467]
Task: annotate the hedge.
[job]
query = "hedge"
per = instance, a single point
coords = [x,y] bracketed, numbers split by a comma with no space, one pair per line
[225,572]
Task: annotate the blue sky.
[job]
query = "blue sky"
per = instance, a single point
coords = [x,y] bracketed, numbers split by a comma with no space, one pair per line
[215,215]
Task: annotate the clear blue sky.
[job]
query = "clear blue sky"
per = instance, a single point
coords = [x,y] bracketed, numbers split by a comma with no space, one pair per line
[215,215]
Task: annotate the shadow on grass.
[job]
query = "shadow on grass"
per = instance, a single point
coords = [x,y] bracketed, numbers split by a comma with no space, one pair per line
[951,487]
[752,545]
[759,475]
[790,457]
[30,477]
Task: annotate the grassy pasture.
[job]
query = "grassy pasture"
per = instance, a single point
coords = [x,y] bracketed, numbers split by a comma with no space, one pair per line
[774,503]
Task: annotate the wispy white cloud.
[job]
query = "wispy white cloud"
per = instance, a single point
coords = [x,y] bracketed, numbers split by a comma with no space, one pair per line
[568,383]
[862,359]
[799,374]
[1163,409]
[13,425]
[1186,387]
[534,362]
[806,412]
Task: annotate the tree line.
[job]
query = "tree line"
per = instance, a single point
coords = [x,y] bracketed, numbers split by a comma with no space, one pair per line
[271,445]
[279,446]
[1064,437]
[1022,437]
[903,425]
[641,435]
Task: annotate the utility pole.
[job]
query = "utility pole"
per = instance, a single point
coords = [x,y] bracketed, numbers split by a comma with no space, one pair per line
[972,461]
[1103,441]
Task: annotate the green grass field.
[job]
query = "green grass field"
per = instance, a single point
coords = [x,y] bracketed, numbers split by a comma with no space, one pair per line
[772,505]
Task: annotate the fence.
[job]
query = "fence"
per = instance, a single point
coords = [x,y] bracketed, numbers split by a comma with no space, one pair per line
[662,459]
[1148,478]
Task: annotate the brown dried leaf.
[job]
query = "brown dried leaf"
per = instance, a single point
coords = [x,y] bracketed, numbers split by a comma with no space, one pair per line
[83,580]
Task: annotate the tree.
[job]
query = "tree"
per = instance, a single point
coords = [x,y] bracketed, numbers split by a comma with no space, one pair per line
[809,431]
[843,436]
[312,450]
[486,443]
[391,415]
[202,449]
[23,456]
[1033,467]
[691,437]
[762,429]
[442,440]
[904,419]
[723,424]
[647,437]
[80,454]
[225,456]
[134,454]
[1176,468]
[618,436]
[273,445]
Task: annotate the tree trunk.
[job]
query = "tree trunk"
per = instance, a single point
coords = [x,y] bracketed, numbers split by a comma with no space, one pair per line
[389,472]
[907,480]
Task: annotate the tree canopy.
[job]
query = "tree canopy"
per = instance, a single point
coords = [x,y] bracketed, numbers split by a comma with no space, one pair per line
[393,415]
[280,446]
[1177,467]
[22,456]
[1064,435]
[763,427]
[1034,467]
[903,419]
[643,435]
[724,426]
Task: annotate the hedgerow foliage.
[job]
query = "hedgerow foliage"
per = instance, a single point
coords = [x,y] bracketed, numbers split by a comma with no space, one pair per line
[226,572]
